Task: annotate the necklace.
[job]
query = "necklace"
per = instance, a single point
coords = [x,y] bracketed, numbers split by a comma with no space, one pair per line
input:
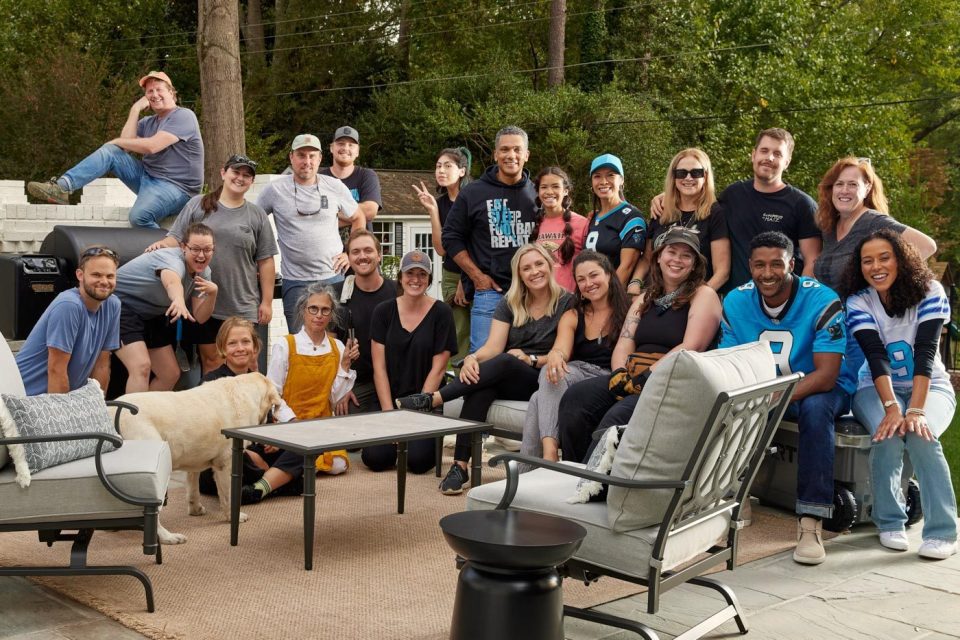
[666,301]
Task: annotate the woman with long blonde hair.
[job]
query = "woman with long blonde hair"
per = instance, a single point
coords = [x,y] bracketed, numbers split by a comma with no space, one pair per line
[508,365]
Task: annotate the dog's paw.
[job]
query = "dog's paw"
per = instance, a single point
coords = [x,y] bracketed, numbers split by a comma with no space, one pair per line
[197,510]
[244,517]
[171,538]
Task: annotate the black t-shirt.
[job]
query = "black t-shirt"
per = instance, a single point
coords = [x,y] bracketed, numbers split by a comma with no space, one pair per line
[713,227]
[536,337]
[659,331]
[364,185]
[596,351]
[750,212]
[362,305]
[410,354]
[443,204]
[622,227]
[223,371]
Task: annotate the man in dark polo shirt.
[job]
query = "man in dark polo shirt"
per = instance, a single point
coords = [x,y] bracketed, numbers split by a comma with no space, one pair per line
[363,183]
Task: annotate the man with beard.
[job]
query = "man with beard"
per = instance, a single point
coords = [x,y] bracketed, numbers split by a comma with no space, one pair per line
[363,183]
[362,292]
[73,339]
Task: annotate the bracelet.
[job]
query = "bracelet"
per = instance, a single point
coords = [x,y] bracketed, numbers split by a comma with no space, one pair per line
[636,281]
[563,356]
[916,410]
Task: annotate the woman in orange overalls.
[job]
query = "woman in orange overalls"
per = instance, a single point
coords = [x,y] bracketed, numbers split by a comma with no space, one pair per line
[312,372]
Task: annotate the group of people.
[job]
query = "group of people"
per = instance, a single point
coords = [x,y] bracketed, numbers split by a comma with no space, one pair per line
[572,312]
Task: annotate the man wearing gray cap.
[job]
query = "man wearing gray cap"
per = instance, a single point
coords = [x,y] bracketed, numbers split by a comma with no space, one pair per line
[363,183]
[306,208]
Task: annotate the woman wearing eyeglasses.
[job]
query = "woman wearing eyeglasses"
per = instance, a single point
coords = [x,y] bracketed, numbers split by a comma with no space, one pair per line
[690,200]
[411,339]
[246,245]
[311,370]
[153,289]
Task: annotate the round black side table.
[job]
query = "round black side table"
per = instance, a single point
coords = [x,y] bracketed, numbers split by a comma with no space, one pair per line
[509,586]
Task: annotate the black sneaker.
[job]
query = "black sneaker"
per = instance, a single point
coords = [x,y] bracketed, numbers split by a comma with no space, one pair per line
[456,478]
[416,402]
[249,494]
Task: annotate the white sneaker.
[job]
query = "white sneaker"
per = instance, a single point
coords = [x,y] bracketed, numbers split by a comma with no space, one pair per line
[937,549]
[896,540]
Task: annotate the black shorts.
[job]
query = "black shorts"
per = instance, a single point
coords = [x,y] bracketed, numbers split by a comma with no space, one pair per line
[156,332]
[206,333]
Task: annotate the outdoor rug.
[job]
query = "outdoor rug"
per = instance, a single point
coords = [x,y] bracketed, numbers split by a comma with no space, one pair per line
[376,574]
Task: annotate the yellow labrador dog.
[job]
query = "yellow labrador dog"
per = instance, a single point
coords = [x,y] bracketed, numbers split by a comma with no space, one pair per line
[190,421]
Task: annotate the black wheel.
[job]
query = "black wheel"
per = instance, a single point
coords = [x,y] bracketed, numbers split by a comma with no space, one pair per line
[914,508]
[844,510]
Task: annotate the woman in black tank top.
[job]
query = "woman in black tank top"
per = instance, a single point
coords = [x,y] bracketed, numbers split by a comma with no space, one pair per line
[584,345]
[676,310]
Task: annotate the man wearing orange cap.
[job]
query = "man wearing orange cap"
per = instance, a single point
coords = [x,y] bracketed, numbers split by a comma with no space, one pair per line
[170,168]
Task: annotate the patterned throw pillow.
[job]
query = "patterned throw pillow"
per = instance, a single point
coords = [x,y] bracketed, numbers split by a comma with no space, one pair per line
[83,410]
[601,461]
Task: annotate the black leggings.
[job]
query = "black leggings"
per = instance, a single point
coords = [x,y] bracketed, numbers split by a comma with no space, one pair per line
[502,376]
[586,407]
[421,456]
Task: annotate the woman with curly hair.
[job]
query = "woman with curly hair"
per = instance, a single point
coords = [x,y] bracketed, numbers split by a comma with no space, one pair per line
[677,310]
[896,311]
[558,228]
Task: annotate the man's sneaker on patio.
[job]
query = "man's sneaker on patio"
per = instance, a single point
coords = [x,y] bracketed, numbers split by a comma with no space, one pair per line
[416,402]
[49,191]
[809,541]
[936,549]
[456,478]
[896,540]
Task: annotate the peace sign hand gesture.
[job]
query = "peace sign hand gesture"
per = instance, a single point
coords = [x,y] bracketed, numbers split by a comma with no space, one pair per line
[426,199]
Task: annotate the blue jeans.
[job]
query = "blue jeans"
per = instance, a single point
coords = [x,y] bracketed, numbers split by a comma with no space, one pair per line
[886,463]
[815,416]
[156,198]
[481,316]
[291,290]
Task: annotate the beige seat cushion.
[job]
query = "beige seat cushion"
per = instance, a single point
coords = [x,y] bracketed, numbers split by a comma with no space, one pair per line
[629,552]
[503,414]
[668,421]
[140,468]
[10,384]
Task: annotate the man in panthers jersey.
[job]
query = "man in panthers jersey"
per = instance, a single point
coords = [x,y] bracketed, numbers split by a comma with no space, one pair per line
[803,322]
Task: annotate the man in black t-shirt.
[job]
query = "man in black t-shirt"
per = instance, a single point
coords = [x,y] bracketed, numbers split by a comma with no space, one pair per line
[363,183]
[362,292]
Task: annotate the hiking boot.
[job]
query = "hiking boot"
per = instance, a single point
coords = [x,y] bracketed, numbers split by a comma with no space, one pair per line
[416,402]
[937,549]
[809,541]
[456,478]
[49,191]
[896,540]
[249,494]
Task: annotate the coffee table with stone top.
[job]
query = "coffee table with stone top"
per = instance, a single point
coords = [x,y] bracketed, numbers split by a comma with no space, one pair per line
[310,438]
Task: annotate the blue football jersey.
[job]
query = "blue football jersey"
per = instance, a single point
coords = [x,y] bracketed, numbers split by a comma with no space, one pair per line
[812,322]
[622,227]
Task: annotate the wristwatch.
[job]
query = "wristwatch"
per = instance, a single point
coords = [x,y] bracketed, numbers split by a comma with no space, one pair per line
[888,403]
[533,361]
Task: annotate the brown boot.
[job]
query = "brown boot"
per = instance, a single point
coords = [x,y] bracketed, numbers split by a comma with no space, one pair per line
[809,541]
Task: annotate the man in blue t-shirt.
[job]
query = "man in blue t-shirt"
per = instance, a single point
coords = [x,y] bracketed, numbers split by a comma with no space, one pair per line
[803,322]
[169,171]
[73,339]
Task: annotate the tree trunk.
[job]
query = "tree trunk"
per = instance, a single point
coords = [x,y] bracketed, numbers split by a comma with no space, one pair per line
[253,33]
[557,42]
[403,41]
[221,87]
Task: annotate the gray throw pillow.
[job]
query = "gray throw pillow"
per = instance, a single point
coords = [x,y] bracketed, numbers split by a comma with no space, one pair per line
[83,410]
[601,461]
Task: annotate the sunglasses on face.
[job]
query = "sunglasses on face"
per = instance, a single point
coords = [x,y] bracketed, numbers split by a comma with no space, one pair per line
[681,174]
[101,251]
[318,310]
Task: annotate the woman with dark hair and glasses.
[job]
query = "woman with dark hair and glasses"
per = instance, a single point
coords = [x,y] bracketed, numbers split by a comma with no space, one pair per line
[896,311]
[690,200]
[411,339]
[311,370]
[452,173]
[154,289]
[245,268]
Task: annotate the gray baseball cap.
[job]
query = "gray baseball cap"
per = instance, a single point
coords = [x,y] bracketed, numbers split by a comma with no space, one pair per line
[306,140]
[347,132]
[416,259]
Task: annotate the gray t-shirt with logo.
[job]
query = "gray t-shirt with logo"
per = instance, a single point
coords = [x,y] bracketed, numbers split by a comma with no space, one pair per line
[138,281]
[307,226]
[243,236]
[182,162]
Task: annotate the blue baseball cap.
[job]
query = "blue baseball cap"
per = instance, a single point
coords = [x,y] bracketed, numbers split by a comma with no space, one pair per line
[607,160]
